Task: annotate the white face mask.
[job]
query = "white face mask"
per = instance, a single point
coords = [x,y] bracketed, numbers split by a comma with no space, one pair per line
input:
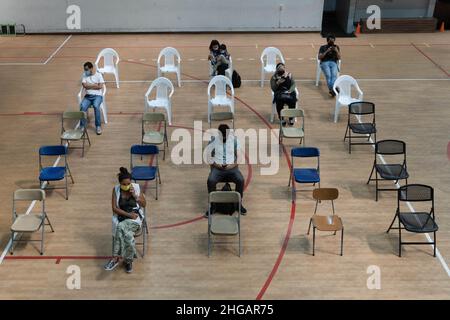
[87,73]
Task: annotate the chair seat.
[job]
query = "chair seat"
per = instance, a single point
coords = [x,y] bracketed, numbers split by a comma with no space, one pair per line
[327,223]
[392,171]
[418,222]
[106,69]
[158,103]
[363,128]
[169,68]
[27,223]
[221,101]
[224,225]
[270,68]
[73,134]
[346,100]
[52,173]
[292,132]
[219,116]
[306,175]
[153,137]
[143,173]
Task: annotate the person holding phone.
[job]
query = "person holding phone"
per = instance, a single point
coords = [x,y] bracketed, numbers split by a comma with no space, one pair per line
[127,204]
[329,55]
[283,87]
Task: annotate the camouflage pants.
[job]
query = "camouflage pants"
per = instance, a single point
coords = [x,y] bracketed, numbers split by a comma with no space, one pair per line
[124,243]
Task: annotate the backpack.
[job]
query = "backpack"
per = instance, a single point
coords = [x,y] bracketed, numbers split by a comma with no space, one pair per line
[225,208]
[236,79]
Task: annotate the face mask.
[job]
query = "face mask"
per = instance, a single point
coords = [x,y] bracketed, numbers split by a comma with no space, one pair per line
[280,72]
[125,188]
[87,73]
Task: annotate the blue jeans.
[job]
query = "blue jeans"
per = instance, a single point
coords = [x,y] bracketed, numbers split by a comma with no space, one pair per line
[95,101]
[330,70]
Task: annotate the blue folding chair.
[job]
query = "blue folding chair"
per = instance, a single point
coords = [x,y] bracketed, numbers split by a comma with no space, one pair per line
[304,175]
[147,172]
[54,173]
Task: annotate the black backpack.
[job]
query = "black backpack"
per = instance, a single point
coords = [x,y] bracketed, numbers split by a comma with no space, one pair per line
[236,79]
[225,208]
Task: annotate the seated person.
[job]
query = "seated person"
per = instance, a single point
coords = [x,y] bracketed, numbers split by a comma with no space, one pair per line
[329,55]
[283,87]
[92,81]
[223,161]
[127,204]
[218,56]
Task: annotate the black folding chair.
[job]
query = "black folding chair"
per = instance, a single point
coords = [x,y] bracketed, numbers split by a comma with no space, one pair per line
[361,122]
[416,222]
[389,171]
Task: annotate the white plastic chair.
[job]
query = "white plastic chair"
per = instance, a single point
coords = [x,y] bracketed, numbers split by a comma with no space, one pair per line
[344,95]
[228,72]
[274,105]
[269,61]
[220,96]
[170,66]
[163,96]
[110,63]
[319,70]
[103,107]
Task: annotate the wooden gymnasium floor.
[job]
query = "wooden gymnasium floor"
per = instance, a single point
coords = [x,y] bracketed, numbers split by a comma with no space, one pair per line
[406,76]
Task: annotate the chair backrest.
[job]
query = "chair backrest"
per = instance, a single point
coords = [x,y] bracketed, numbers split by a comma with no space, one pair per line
[292,113]
[164,88]
[345,83]
[361,108]
[224,197]
[108,55]
[169,55]
[390,147]
[144,149]
[52,150]
[320,194]
[269,56]
[305,152]
[153,117]
[220,83]
[415,193]
[29,195]
[74,115]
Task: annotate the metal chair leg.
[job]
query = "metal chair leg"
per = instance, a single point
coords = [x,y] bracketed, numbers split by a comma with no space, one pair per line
[309,227]
[314,239]
[342,241]
[435,244]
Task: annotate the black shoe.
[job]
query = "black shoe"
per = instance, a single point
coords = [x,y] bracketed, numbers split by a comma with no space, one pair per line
[243,210]
[291,122]
[331,93]
[129,267]
[283,123]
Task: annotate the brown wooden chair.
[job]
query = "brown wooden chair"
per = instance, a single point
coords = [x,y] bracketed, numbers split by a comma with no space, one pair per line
[331,223]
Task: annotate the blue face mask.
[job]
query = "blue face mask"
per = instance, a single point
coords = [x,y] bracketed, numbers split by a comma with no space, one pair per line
[87,73]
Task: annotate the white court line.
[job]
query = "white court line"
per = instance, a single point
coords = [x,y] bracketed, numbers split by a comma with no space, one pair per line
[411,208]
[371,45]
[38,63]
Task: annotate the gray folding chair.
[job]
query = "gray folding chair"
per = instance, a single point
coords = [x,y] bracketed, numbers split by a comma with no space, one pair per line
[143,233]
[292,132]
[29,223]
[224,225]
[222,116]
[155,137]
[76,133]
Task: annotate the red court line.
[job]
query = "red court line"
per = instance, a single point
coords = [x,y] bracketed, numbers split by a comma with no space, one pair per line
[429,58]
[57,258]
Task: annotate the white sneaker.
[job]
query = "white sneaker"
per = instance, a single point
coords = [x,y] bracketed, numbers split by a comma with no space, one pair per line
[98,130]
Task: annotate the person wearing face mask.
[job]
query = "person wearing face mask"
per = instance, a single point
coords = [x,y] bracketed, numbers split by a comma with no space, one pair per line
[223,160]
[92,82]
[329,55]
[283,87]
[127,204]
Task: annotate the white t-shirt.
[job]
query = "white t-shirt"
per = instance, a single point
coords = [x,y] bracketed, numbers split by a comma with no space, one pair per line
[93,79]
[224,153]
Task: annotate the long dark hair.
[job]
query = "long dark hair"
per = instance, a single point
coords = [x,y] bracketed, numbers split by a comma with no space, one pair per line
[123,174]
[213,43]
